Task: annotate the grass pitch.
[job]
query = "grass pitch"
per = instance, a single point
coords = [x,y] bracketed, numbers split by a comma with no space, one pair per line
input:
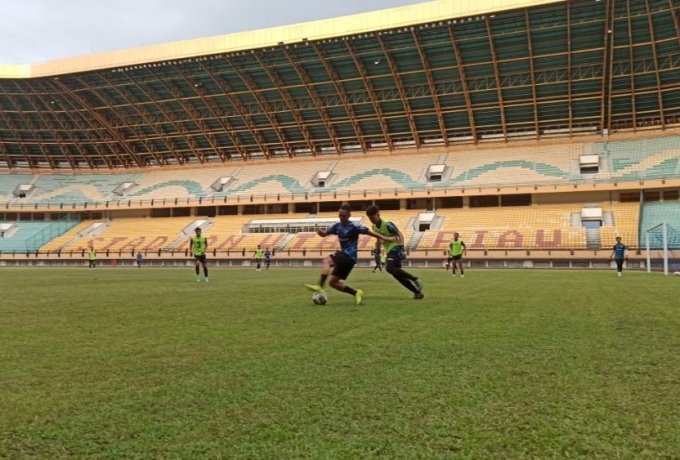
[126,363]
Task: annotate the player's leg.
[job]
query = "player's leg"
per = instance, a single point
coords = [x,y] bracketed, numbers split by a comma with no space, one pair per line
[343,267]
[619,266]
[327,265]
[407,280]
[197,267]
[204,262]
[460,264]
[267,263]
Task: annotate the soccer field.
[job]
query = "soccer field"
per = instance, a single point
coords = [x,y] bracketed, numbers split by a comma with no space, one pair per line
[125,363]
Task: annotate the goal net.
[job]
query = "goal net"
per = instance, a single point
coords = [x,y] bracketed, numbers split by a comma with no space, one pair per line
[662,243]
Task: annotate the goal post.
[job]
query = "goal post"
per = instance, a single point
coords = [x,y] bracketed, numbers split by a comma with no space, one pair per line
[656,242]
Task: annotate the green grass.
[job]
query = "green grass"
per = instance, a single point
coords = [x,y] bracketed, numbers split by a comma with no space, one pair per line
[124,363]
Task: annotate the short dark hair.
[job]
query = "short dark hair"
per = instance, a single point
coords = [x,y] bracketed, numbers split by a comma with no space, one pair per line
[345,207]
[372,210]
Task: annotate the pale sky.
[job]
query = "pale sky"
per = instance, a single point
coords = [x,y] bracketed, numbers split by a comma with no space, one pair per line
[33,31]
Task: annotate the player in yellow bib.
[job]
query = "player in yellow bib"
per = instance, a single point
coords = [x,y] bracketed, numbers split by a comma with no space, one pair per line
[394,250]
[198,245]
[92,256]
[457,249]
[259,255]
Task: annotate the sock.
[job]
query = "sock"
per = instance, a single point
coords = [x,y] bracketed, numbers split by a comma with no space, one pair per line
[323,279]
[205,271]
[198,271]
[349,290]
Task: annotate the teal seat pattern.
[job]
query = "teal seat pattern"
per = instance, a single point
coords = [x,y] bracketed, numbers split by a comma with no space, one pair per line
[290,184]
[9,182]
[193,188]
[624,154]
[48,187]
[657,213]
[399,177]
[541,168]
[666,169]
[31,236]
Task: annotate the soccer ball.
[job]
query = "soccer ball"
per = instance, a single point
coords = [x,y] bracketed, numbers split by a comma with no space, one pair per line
[320,298]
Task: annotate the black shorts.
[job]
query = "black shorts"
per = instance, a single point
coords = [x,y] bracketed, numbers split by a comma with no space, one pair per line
[458,257]
[393,260]
[200,258]
[343,265]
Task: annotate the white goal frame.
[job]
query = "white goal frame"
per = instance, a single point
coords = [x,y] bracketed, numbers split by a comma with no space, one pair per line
[664,232]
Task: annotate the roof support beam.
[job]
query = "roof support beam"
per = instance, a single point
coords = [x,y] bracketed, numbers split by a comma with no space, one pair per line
[371,91]
[104,123]
[433,88]
[290,103]
[650,21]
[150,149]
[608,51]
[180,129]
[40,111]
[17,137]
[631,56]
[302,75]
[76,142]
[236,104]
[340,89]
[463,79]
[29,123]
[569,90]
[530,47]
[499,88]
[400,87]
[250,84]
[210,103]
[191,142]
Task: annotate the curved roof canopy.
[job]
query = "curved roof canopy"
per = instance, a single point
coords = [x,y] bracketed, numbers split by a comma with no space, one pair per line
[429,74]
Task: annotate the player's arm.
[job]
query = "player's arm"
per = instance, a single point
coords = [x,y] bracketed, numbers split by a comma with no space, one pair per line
[611,256]
[389,239]
[625,253]
[191,249]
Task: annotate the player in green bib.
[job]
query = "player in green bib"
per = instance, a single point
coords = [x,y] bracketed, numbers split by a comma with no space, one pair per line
[394,251]
[198,245]
[457,249]
[92,256]
[259,255]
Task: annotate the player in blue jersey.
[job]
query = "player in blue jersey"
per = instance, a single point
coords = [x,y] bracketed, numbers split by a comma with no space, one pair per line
[619,254]
[339,265]
[267,259]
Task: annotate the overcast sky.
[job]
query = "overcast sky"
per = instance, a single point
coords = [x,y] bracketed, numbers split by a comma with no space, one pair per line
[33,31]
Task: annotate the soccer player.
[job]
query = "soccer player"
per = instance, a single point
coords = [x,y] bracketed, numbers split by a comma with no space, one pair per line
[395,251]
[139,259]
[92,256]
[619,254]
[457,249]
[259,255]
[378,259]
[198,245]
[267,259]
[339,265]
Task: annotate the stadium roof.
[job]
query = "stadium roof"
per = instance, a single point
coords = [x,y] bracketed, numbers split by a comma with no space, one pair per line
[430,74]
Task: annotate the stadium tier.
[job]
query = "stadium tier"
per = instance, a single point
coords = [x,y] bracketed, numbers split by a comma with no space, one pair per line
[509,166]
[654,214]
[23,236]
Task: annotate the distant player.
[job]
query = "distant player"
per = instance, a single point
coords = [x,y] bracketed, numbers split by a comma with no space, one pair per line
[457,250]
[340,264]
[198,245]
[377,255]
[92,257]
[259,256]
[394,250]
[139,259]
[619,254]
[267,259]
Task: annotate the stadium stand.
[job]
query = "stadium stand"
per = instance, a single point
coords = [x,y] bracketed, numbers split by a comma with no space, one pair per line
[657,213]
[78,188]
[61,241]
[652,158]
[531,227]
[30,236]
[135,234]
[9,182]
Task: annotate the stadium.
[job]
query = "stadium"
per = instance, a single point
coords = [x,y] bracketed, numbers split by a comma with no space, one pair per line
[540,130]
